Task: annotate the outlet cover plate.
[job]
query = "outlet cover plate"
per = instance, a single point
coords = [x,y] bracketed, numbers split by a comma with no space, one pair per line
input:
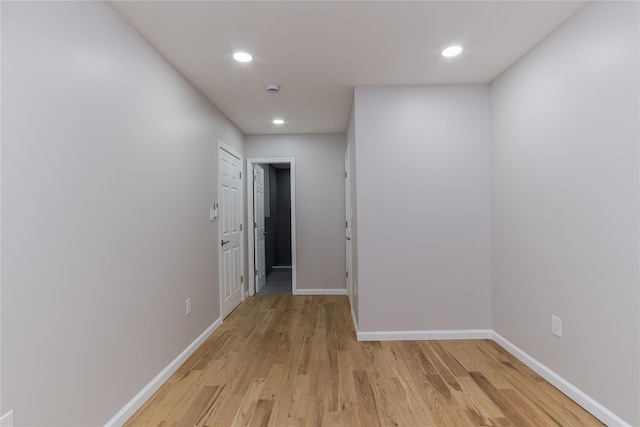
[7,420]
[556,326]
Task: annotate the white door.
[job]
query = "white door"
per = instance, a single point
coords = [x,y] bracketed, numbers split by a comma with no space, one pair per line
[258,227]
[347,194]
[230,230]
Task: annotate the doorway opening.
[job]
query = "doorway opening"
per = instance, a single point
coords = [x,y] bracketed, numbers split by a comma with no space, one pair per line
[271,211]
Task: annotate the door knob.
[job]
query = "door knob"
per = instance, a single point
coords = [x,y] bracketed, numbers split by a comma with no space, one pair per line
[348,238]
[224,242]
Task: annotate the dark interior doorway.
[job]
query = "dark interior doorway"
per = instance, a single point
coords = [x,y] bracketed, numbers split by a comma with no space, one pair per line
[277,221]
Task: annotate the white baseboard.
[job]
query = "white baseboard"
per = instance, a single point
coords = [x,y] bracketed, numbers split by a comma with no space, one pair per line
[574,393]
[464,334]
[320,292]
[145,394]
[7,420]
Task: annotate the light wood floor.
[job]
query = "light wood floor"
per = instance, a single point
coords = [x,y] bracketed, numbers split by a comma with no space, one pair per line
[294,361]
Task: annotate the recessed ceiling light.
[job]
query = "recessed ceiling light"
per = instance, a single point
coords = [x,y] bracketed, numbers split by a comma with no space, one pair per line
[242,57]
[278,121]
[452,51]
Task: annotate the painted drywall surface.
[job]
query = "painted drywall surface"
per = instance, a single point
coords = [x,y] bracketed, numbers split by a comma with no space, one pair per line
[108,173]
[283,233]
[565,203]
[319,210]
[423,207]
[351,142]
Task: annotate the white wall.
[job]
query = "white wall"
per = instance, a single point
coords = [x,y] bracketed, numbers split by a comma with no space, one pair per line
[319,168]
[565,203]
[108,173]
[423,207]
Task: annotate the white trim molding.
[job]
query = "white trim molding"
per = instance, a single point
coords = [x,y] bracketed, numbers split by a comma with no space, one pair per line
[573,392]
[320,292]
[464,334]
[145,394]
[355,321]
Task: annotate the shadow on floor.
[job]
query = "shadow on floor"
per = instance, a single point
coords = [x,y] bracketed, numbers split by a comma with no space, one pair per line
[278,283]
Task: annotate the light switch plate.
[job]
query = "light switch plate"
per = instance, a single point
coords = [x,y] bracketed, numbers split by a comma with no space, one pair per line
[7,420]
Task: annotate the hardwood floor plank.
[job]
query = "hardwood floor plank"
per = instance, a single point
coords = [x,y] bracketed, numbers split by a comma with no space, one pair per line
[505,406]
[262,413]
[402,408]
[346,389]
[299,397]
[332,388]
[501,422]
[425,370]
[441,369]
[481,400]
[527,411]
[367,410]
[314,416]
[249,403]
[273,383]
[452,364]
[281,361]
[349,414]
[473,410]
[196,413]
[224,411]
[415,399]
[173,403]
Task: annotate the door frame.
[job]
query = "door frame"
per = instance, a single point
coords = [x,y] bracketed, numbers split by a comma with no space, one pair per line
[251,249]
[348,229]
[258,268]
[223,146]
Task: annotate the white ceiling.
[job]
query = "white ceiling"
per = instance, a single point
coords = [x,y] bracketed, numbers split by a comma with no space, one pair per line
[318,51]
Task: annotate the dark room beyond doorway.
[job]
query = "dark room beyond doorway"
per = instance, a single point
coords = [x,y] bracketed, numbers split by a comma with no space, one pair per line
[277,222]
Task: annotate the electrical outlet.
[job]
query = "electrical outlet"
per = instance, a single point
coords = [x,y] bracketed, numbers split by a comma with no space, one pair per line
[556,326]
[187,304]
